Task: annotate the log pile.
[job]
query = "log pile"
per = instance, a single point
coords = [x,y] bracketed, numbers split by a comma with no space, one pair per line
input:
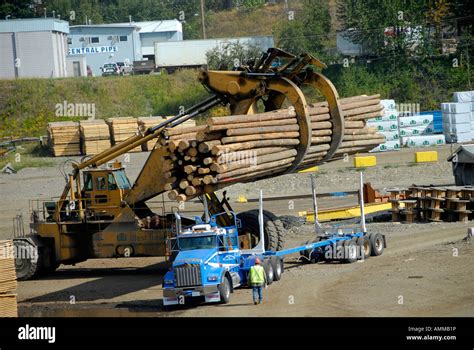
[147,122]
[64,138]
[8,285]
[95,136]
[244,148]
[123,128]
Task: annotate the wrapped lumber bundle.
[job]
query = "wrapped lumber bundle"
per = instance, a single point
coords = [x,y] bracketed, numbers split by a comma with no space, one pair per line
[8,285]
[95,136]
[64,139]
[148,122]
[123,128]
[243,148]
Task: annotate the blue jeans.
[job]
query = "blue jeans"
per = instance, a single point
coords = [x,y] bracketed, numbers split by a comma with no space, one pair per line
[257,293]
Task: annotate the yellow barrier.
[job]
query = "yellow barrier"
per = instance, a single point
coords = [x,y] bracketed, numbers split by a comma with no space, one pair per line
[309,170]
[426,156]
[364,162]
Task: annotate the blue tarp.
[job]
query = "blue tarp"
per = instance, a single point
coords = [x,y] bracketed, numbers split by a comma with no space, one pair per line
[437,120]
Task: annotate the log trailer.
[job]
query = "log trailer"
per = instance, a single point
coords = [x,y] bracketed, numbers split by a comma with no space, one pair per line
[100,214]
[209,264]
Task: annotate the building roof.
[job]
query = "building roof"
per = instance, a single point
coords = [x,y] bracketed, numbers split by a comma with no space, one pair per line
[34,25]
[159,26]
[464,153]
[143,27]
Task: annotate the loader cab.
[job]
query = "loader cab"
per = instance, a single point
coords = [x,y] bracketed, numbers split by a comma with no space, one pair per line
[105,188]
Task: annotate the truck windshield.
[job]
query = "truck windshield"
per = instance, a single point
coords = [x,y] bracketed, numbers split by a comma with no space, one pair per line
[204,242]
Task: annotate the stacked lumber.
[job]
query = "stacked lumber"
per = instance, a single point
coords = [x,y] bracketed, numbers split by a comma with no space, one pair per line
[147,122]
[243,148]
[8,285]
[123,128]
[95,136]
[64,139]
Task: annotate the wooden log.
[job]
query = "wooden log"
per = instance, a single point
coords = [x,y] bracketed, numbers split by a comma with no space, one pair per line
[181,130]
[190,136]
[188,169]
[357,143]
[265,166]
[173,194]
[249,118]
[206,146]
[169,186]
[258,124]
[181,198]
[252,163]
[208,160]
[190,177]
[365,116]
[262,130]
[320,117]
[320,139]
[217,150]
[209,179]
[183,145]
[321,125]
[362,137]
[183,184]
[197,181]
[360,131]
[255,137]
[192,152]
[362,110]
[203,171]
[323,132]
[202,136]
[190,191]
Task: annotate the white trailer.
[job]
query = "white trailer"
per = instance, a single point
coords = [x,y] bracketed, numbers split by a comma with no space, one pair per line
[192,53]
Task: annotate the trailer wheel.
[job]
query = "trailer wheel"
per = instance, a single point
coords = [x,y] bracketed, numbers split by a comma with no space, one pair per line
[224,290]
[26,267]
[267,265]
[376,242]
[364,241]
[360,246]
[277,265]
[350,251]
[339,248]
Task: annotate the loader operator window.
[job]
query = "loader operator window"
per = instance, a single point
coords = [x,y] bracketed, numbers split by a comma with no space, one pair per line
[87,182]
[112,185]
[101,185]
[122,180]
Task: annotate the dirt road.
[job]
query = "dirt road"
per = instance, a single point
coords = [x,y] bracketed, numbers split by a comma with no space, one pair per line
[426,271]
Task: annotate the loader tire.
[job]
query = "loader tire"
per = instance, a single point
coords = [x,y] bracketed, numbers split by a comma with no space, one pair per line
[249,220]
[276,226]
[376,242]
[26,267]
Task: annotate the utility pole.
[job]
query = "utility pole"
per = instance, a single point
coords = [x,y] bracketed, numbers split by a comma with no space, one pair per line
[202,20]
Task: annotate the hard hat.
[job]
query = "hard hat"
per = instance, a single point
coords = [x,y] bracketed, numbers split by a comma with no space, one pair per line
[257,261]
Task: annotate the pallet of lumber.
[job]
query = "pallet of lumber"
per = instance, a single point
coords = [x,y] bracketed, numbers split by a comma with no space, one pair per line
[123,128]
[95,136]
[147,122]
[242,148]
[8,284]
[64,139]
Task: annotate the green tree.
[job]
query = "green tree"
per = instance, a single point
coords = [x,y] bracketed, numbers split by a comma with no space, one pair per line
[232,55]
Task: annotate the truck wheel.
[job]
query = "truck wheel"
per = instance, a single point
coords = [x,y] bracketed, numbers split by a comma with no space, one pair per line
[267,265]
[26,268]
[350,251]
[376,242]
[277,265]
[364,242]
[224,290]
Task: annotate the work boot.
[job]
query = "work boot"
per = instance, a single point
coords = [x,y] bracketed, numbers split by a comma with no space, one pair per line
[260,301]
[255,303]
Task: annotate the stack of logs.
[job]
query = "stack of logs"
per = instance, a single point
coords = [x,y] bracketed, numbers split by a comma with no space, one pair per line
[147,122]
[8,285]
[64,138]
[244,148]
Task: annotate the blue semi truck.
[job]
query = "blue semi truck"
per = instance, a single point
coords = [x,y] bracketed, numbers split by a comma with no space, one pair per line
[208,263]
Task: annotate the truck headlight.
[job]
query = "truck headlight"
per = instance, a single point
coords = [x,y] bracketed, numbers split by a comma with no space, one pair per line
[212,278]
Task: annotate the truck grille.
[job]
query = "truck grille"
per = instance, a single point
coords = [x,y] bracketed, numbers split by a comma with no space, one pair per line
[188,275]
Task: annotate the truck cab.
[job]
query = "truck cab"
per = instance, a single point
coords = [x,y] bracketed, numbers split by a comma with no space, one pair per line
[207,262]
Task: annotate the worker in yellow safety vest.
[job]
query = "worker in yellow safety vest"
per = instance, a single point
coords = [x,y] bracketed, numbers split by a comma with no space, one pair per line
[257,279]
